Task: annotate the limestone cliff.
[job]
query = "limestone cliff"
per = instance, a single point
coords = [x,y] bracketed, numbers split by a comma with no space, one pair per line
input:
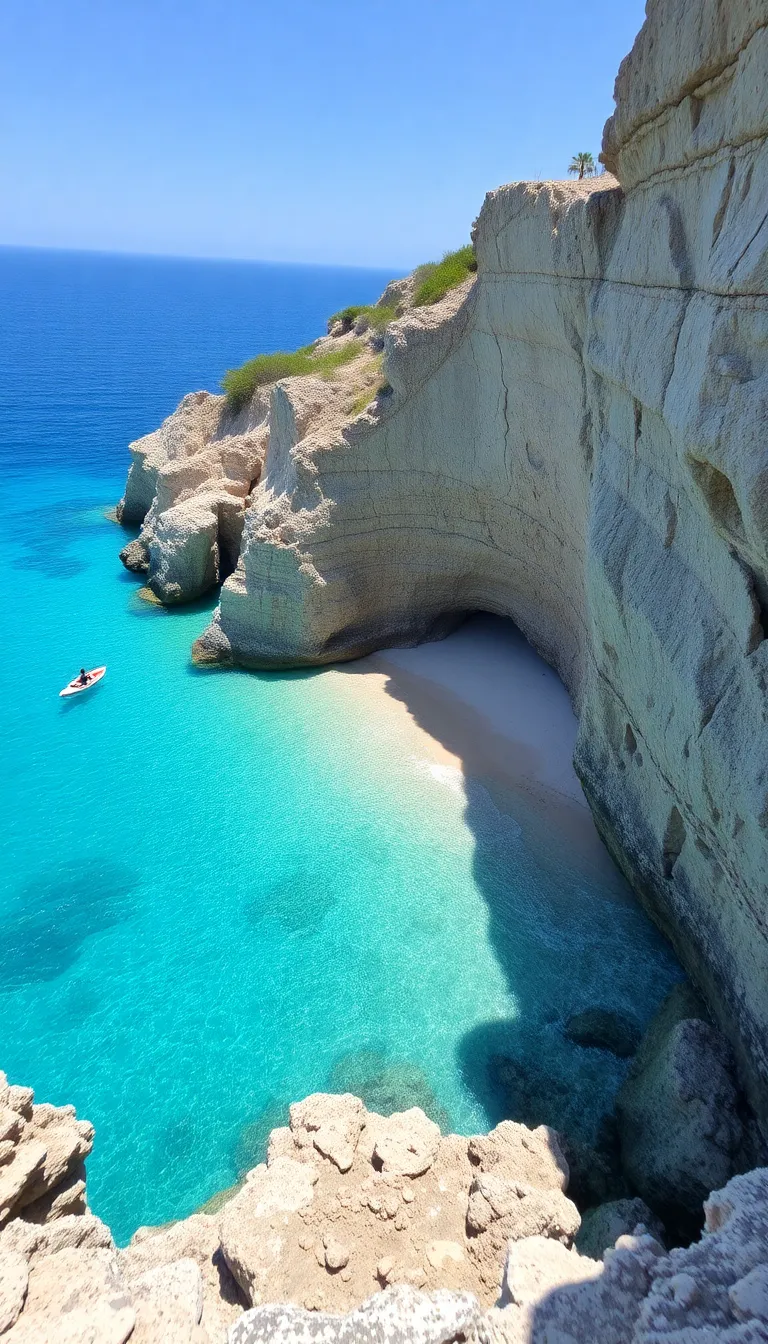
[576,439]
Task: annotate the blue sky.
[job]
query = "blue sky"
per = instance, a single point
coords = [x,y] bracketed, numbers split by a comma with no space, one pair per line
[352,131]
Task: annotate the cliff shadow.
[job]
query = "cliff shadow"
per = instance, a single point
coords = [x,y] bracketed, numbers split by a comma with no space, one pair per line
[565,928]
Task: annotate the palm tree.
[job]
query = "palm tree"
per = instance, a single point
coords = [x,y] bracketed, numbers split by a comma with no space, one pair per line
[583,165]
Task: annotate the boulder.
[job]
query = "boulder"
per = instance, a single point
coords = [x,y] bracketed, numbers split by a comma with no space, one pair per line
[678,1115]
[407,1143]
[67,1142]
[184,552]
[331,1124]
[507,1210]
[168,1301]
[712,1292]
[194,1239]
[251,1222]
[135,556]
[14,1278]
[68,1197]
[601,1227]
[534,1157]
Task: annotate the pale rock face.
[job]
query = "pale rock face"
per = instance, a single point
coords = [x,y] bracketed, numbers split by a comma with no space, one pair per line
[407,1144]
[709,1293]
[678,1112]
[14,1279]
[191,483]
[319,1241]
[574,439]
[41,1153]
[195,1239]
[331,1124]
[395,1316]
[188,486]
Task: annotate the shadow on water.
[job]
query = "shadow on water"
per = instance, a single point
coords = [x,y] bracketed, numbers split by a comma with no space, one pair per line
[52,916]
[565,927]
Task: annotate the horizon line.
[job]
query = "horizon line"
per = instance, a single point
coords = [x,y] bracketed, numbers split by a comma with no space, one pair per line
[184,256]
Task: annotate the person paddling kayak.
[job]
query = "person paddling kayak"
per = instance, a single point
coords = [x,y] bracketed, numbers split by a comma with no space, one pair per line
[84,681]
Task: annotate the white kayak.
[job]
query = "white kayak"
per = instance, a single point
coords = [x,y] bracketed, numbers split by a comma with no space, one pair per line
[75,687]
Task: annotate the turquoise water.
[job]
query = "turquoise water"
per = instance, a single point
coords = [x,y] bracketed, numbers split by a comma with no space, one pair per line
[217,891]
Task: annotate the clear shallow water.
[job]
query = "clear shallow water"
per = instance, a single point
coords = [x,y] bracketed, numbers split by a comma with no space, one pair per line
[218,892]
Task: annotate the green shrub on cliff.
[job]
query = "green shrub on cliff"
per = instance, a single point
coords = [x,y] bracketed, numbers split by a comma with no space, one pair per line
[434,280]
[240,384]
[377,317]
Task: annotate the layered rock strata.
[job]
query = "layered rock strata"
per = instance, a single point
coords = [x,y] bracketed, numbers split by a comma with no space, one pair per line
[576,440]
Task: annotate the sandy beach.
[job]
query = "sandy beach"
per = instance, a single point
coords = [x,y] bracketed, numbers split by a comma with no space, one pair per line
[482,705]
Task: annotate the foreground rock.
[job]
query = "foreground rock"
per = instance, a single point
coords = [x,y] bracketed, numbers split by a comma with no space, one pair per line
[349,1200]
[366,1228]
[712,1293]
[42,1148]
[574,439]
[395,1316]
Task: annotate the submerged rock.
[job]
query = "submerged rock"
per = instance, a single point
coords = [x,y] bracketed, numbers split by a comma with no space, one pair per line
[604,1029]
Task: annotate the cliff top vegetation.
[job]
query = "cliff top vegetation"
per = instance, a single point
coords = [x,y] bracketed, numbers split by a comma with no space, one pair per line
[436,278]
[240,384]
[373,315]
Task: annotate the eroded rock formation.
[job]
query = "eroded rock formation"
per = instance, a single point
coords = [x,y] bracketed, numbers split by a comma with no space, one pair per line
[42,1149]
[348,1203]
[574,439]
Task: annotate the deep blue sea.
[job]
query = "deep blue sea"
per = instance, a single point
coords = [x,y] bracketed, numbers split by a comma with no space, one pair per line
[218,892]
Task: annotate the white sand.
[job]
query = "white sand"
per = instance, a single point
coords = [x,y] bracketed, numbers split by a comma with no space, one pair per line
[482,705]
[481,700]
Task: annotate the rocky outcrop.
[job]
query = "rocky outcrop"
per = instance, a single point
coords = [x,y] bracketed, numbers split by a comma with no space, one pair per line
[678,1111]
[188,488]
[194,1240]
[574,439]
[193,480]
[390,1222]
[64,1284]
[714,1292]
[349,1199]
[42,1148]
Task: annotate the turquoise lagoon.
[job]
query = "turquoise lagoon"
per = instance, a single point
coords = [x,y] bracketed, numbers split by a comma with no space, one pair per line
[217,892]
